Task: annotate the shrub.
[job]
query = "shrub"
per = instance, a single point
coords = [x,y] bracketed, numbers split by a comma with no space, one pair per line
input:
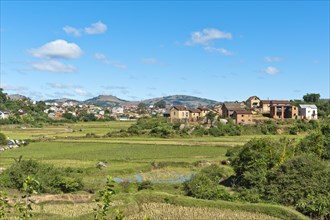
[202,187]
[145,185]
[205,184]
[303,182]
[51,179]
[314,143]
[199,131]
[3,139]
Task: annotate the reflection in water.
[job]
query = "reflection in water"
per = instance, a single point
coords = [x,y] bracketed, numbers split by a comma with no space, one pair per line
[138,178]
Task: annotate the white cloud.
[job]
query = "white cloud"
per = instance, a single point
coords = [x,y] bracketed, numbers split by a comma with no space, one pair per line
[71,30]
[53,66]
[270,70]
[99,56]
[62,86]
[13,88]
[57,49]
[96,28]
[150,61]
[105,60]
[273,59]
[207,35]
[218,50]
[82,92]
[115,63]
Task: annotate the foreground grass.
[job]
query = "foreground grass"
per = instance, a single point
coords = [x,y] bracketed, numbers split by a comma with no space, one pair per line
[157,205]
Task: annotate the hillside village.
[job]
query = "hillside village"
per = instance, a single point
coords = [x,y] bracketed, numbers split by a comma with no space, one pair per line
[250,111]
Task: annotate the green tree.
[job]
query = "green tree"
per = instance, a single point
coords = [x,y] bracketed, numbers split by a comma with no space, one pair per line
[311,97]
[210,116]
[3,139]
[160,104]
[142,108]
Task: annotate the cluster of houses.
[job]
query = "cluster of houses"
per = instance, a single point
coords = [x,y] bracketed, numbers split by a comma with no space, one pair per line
[124,112]
[245,112]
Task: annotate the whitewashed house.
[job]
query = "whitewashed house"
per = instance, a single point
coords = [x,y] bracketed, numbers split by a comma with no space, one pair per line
[308,111]
[4,115]
[117,110]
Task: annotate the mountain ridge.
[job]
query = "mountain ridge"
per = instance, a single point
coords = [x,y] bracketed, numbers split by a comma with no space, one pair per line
[110,100]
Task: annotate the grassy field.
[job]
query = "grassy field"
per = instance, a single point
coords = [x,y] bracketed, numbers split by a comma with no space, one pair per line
[155,159]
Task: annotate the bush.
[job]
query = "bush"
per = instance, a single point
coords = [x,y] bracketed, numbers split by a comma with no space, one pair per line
[314,143]
[202,187]
[3,139]
[268,127]
[145,185]
[199,131]
[205,184]
[303,182]
[51,179]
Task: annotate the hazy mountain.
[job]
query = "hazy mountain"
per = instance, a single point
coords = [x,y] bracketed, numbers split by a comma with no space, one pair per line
[17,97]
[106,100]
[62,100]
[189,101]
[110,100]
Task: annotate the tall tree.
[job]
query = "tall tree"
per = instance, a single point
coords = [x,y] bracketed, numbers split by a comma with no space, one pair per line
[160,104]
[311,97]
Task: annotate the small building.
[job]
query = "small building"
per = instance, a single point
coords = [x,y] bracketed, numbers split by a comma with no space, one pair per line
[218,109]
[179,113]
[283,109]
[242,116]
[308,111]
[117,110]
[265,104]
[4,114]
[228,108]
[194,114]
[203,111]
[253,102]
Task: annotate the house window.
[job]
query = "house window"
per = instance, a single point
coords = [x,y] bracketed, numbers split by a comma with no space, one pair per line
[182,114]
[242,115]
[186,114]
[173,113]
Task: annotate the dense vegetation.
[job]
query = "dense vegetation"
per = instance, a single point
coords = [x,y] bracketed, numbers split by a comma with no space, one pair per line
[51,179]
[285,171]
[159,127]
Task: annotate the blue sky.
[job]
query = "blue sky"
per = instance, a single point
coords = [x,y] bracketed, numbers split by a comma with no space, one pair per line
[221,50]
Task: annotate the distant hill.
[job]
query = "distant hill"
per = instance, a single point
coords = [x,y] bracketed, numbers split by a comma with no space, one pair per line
[110,100]
[189,101]
[17,97]
[106,100]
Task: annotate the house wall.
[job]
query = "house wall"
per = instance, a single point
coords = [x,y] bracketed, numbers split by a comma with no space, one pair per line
[254,102]
[265,107]
[243,118]
[177,115]
[194,116]
[203,113]
[308,113]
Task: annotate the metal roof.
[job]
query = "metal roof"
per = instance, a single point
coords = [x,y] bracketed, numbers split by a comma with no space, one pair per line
[312,106]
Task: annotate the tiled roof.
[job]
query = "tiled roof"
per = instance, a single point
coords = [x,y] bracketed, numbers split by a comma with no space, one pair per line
[193,110]
[179,107]
[275,102]
[252,97]
[243,112]
[232,106]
